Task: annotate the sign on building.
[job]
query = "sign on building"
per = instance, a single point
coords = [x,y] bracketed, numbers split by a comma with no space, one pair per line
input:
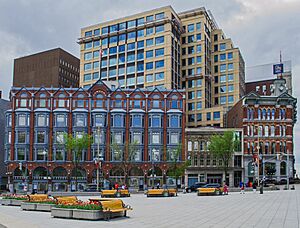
[278,68]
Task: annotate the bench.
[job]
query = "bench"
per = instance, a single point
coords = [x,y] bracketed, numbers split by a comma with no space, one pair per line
[66,200]
[115,193]
[172,192]
[114,207]
[209,191]
[157,192]
[38,198]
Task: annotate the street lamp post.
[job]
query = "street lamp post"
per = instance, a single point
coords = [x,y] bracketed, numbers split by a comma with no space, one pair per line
[98,159]
[46,159]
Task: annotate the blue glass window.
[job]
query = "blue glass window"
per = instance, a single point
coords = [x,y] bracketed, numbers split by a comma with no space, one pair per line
[88,56]
[87,66]
[117,121]
[97,32]
[96,65]
[104,30]
[199,105]
[140,33]
[199,70]
[149,66]
[130,69]
[131,57]
[112,72]
[113,28]
[208,116]
[113,50]
[159,52]
[136,121]
[149,42]
[149,77]
[222,47]
[122,37]
[191,39]
[230,77]
[199,117]
[159,16]
[88,45]
[230,66]
[230,99]
[130,46]
[229,55]
[131,24]
[174,122]
[95,75]
[140,44]
[191,28]
[121,72]
[159,64]
[159,76]
[104,41]
[103,63]
[223,100]
[198,36]
[223,57]
[199,59]
[97,43]
[131,35]
[223,78]
[159,40]
[159,28]
[199,48]
[121,48]
[122,26]
[87,77]
[230,88]
[121,59]
[104,52]
[155,121]
[149,54]
[96,54]
[149,31]
[223,67]
[198,26]
[223,89]
[217,115]
[88,33]
[140,67]
[150,18]
[112,61]
[140,21]
[140,55]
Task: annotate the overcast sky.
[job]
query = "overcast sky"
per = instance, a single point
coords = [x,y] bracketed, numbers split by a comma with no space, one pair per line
[260,28]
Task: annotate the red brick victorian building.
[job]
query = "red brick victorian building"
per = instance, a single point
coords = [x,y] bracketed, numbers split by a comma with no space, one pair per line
[39,117]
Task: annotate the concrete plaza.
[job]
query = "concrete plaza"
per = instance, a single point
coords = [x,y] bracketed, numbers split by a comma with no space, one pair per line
[272,209]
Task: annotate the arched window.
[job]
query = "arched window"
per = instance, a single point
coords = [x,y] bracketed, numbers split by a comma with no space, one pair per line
[259,114]
[266,131]
[273,114]
[174,102]
[264,114]
[80,101]
[137,102]
[283,114]
[42,100]
[280,130]
[272,131]
[266,147]
[283,168]
[248,113]
[61,100]
[99,101]
[23,100]
[273,148]
[268,114]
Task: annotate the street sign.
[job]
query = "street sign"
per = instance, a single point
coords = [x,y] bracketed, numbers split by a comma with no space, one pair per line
[278,68]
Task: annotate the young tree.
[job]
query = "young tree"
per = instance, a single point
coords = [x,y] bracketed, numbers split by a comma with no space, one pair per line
[77,145]
[223,146]
[177,168]
[125,159]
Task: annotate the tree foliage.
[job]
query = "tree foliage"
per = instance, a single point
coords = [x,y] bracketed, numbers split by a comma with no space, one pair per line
[223,146]
[76,145]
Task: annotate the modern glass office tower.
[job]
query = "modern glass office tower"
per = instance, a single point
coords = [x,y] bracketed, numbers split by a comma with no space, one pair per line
[164,49]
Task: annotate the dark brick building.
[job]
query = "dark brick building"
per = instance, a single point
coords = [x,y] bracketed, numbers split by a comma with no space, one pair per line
[54,67]
[4,105]
[267,122]
[40,116]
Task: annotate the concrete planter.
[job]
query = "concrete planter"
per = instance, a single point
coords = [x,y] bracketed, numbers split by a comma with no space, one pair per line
[16,202]
[87,214]
[28,206]
[61,212]
[5,202]
[44,207]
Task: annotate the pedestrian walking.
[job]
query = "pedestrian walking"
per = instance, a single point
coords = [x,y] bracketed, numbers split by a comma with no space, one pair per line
[254,186]
[157,186]
[225,189]
[242,188]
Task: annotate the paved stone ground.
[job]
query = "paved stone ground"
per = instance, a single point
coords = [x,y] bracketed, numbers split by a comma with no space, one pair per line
[272,209]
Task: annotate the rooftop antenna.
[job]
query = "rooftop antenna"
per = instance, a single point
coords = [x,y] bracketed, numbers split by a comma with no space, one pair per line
[280,57]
